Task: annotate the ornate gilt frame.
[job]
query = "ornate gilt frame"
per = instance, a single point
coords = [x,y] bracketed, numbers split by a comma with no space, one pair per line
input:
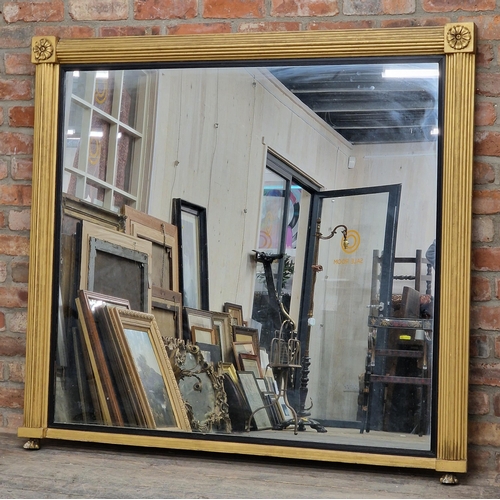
[457,42]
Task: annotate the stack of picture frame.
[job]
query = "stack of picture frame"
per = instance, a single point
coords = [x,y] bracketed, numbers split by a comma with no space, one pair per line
[130,320]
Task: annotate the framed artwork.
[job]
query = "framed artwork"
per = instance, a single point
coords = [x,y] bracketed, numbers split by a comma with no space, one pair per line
[136,411]
[165,247]
[285,410]
[116,264]
[272,410]
[255,400]
[272,385]
[251,363]
[247,334]
[241,348]
[262,385]
[211,352]
[201,386]
[150,368]
[106,397]
[196,317]
[222,325]
[203,335]
[235,311]
[191,223]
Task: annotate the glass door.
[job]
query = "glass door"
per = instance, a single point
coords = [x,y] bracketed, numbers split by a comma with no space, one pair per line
[343,291]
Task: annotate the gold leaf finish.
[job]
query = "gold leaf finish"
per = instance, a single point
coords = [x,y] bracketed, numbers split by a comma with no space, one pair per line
[456,237]
[41,249]
[451,41]
[43,49]
[460,37]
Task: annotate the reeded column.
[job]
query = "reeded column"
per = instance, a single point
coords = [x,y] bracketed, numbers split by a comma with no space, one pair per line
[42,238]
[456,242]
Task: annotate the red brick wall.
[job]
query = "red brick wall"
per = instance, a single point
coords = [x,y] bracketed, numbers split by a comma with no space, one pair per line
[20,20]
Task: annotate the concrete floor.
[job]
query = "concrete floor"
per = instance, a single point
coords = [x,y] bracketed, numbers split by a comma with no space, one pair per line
[78,470]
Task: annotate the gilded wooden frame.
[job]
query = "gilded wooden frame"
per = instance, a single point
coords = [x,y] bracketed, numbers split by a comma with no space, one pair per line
[456,42]
[124,320]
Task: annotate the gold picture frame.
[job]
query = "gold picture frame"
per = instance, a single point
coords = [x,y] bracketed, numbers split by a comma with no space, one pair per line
[450,450]
[145,355]
[203,335]
[235,312]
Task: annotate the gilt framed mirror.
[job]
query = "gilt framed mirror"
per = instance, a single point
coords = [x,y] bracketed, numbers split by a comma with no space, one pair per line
[335,174]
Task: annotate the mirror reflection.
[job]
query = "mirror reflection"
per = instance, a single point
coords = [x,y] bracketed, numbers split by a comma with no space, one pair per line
[282,218]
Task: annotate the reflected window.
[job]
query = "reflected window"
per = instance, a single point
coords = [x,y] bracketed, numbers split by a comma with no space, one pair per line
[106,136]
[277,250]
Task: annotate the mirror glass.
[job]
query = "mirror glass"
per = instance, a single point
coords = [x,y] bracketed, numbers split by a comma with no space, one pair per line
[315,195]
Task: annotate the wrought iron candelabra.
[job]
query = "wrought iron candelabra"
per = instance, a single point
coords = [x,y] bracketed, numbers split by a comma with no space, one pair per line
[303,412]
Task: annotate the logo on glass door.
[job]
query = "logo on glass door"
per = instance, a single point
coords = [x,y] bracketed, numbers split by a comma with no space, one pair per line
[354,240]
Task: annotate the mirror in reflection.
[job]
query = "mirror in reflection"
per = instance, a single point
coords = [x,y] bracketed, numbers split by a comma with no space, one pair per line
[280,223]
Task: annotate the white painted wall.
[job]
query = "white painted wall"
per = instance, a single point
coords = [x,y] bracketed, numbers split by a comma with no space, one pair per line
[214,128]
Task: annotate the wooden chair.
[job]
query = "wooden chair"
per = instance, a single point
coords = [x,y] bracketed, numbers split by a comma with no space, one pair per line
[396,377]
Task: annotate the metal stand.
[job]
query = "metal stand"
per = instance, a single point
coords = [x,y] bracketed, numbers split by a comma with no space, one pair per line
[285,354]
[303,412]
[284,360]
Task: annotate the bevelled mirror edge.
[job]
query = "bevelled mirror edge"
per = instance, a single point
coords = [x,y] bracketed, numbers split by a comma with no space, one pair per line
[456,42]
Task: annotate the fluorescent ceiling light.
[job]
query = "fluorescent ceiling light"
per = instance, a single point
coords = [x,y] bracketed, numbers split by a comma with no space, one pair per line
[96,133]
[102,75]
[410,73]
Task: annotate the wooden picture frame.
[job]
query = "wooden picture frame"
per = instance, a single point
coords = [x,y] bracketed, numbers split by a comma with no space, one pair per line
[251,363]
[136,411]
[235,312]
[247,334]
[261,382]
[211,352]
[255,400]
[191,223]
[196,317]
[166,306]
[107,398]
[203,335]
[239,348]
[83,210]
[150,368]
[222,325]
[98,242]
[165,248]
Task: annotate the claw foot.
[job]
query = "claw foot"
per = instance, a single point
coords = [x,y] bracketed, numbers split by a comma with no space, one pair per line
[32,444]
[449,479]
